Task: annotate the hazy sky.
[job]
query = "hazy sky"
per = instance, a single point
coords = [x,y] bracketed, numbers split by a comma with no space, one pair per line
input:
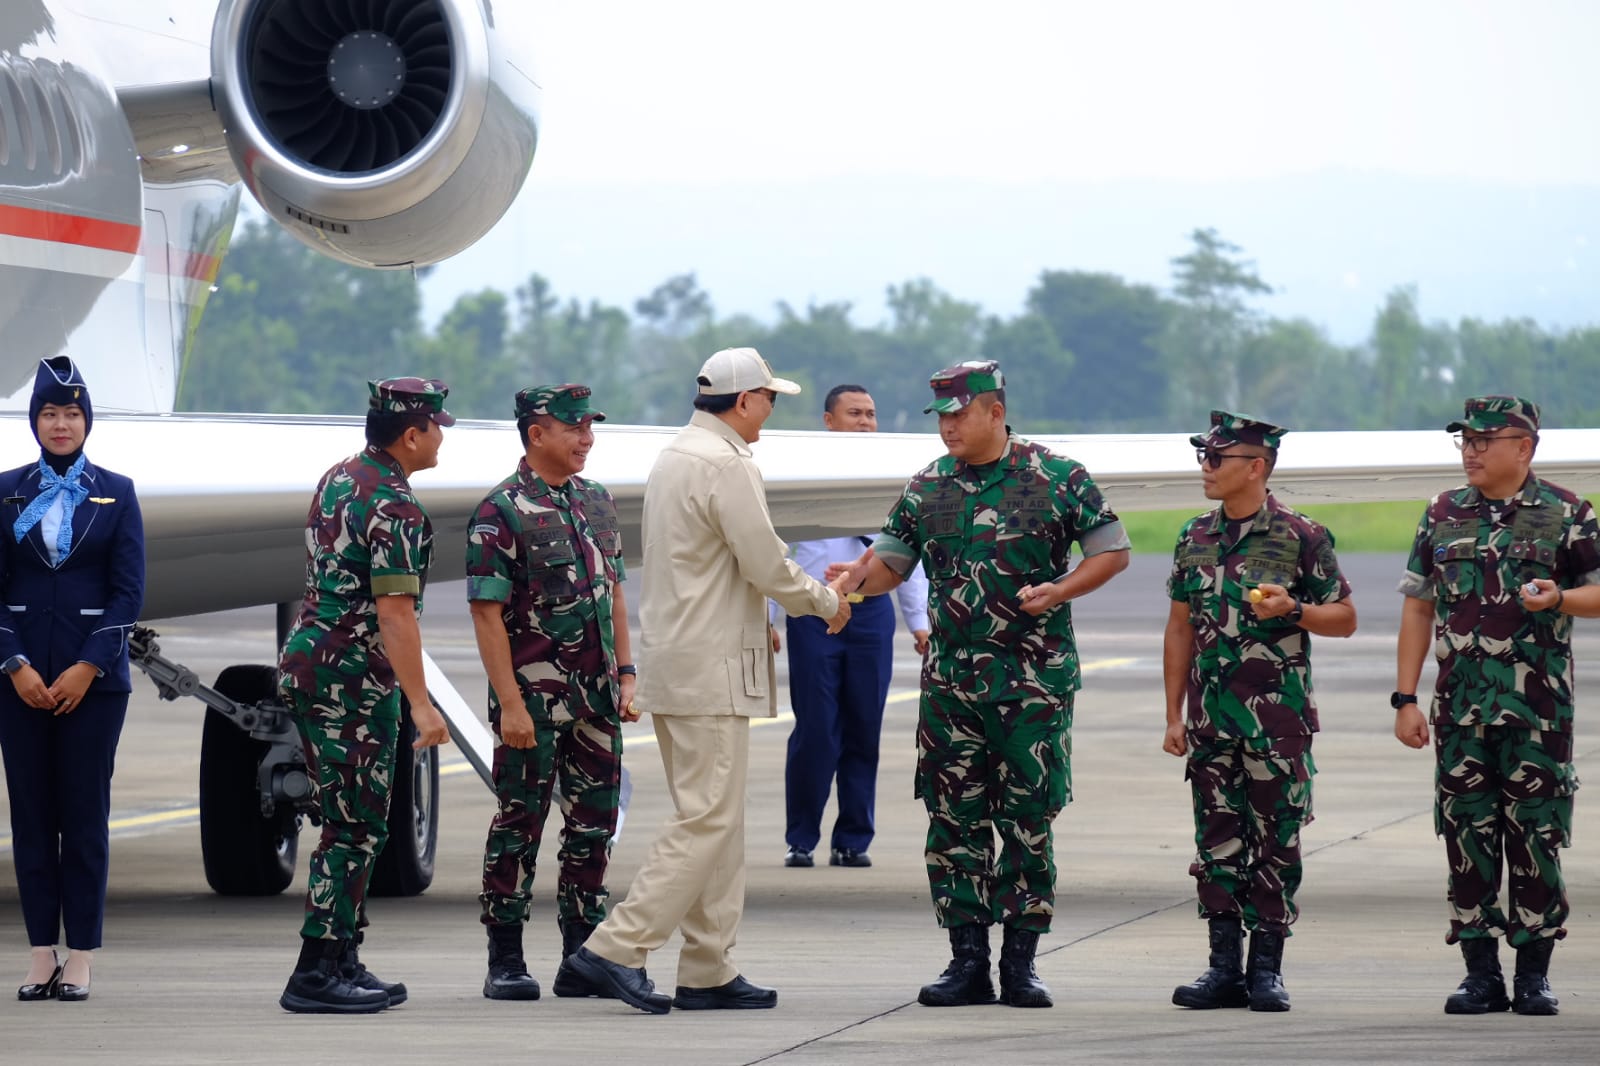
[649,103]
[706,90]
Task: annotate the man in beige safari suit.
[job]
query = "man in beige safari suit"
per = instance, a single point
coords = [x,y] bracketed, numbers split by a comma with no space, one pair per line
[711,558]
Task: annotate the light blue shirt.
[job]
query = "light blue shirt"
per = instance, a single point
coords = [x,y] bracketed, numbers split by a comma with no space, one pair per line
[815,555]
[50,527]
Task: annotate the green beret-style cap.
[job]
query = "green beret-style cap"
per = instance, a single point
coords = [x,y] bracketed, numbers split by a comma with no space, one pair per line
[421,396]
[1485,414]
[564,403]
[1228,429]
[955,386]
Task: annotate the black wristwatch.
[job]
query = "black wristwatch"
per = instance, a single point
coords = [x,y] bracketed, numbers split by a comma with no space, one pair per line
[629,669]
[1295,615]
[1398,700]
[13,664]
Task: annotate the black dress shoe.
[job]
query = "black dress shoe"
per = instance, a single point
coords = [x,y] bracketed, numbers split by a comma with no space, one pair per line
[72,993]
[43,990]
[632,986]
[737,994]
[799,857]
[849,857]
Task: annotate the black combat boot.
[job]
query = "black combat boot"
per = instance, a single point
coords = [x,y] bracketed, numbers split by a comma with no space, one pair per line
[1483,990]
[569,982]
[317,986]
[1019,981]
[966,980]
[1530,987]
[351,969]
[508,973]
[1264,976]
[1223,984]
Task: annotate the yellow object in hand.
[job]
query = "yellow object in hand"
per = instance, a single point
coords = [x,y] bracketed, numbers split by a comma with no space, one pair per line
[1256,596]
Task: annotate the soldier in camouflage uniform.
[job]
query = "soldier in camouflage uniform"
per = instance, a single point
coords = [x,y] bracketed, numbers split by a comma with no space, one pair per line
[368,544]
[1250,582]
[1497,570]
[544,577]
[993,524]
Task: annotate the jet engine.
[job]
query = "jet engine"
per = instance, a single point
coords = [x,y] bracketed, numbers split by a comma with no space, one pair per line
[385,133]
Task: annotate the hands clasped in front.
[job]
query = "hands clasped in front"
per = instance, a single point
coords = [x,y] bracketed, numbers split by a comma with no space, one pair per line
[62,697]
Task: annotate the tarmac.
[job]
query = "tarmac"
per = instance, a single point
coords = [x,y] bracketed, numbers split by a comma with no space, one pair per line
[189,977]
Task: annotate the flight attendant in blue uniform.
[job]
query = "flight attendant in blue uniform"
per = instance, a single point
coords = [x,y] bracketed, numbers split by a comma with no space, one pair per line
[71,586]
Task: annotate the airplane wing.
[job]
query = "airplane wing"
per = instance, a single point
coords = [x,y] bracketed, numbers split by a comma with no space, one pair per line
[225,496]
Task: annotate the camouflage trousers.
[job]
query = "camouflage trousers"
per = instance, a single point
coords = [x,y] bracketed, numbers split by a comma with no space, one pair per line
[1504,797]
[585,756]
[351,751]
[1252,796]
[985,769]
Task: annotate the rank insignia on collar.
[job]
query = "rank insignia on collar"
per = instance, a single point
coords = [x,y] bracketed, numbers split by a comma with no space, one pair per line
[102,499]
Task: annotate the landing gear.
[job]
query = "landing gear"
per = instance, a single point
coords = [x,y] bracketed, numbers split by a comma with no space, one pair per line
[246,852]
[255,787]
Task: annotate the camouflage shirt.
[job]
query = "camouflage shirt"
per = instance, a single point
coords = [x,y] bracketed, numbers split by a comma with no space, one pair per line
[366,536]
[1251,677]
[552,556]
[981,534]
[1500,663]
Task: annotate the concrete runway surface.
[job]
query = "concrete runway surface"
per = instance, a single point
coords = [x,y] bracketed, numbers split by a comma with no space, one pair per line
[189,977]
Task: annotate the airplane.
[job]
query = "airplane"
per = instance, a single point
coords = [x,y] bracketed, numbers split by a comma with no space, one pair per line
[390,134]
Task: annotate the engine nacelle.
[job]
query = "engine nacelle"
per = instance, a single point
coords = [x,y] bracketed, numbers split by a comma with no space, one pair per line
[386,133]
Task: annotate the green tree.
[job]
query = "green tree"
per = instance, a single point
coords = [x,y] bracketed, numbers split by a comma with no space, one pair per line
[1414,371]
[290,330]
[469,353]
[1112,329]
[1202,343]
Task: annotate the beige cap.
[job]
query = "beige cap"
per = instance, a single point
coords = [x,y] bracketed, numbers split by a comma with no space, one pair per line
[740,370]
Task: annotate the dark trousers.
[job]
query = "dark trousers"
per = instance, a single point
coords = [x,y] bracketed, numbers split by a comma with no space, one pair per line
[837,685]
[58,777]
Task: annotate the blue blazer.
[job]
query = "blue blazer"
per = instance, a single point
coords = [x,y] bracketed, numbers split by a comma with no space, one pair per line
[82,608]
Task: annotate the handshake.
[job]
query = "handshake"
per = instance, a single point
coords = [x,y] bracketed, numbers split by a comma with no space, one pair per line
[844,579]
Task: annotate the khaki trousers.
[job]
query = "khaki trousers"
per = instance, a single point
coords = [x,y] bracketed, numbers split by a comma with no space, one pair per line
[693,876]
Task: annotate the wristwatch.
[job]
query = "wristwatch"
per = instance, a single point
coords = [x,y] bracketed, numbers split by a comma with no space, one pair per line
[13,664]
[1296,613]
[629,669]
[1398,699]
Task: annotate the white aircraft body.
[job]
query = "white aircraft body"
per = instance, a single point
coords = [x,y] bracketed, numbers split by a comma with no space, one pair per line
[387,133]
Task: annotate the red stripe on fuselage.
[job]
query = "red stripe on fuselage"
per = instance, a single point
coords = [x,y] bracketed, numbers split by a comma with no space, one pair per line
[68,229]
[97,233]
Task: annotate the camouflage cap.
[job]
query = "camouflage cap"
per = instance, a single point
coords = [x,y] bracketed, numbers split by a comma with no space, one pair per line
[564,403]
[955,386]
[420,396]
[1228,429]
[1486,414]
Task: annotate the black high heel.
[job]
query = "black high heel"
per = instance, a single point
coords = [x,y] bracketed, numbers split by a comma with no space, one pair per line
[70,993]
[46,990]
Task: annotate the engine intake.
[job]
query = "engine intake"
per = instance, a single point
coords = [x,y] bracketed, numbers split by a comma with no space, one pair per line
[382,132]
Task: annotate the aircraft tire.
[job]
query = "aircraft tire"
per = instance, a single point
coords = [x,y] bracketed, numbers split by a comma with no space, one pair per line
[405,865]
[244,853]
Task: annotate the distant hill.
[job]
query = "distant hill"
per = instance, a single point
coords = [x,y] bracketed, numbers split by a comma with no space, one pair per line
[1332,243]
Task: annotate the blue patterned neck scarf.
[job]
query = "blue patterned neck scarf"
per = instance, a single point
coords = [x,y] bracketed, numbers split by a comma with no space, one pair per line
[72,492]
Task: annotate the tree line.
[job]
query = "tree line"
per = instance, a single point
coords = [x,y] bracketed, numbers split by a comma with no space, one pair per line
[288,330]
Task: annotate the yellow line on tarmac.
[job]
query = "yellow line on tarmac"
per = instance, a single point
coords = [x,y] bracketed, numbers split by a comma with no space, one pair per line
[157,819]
